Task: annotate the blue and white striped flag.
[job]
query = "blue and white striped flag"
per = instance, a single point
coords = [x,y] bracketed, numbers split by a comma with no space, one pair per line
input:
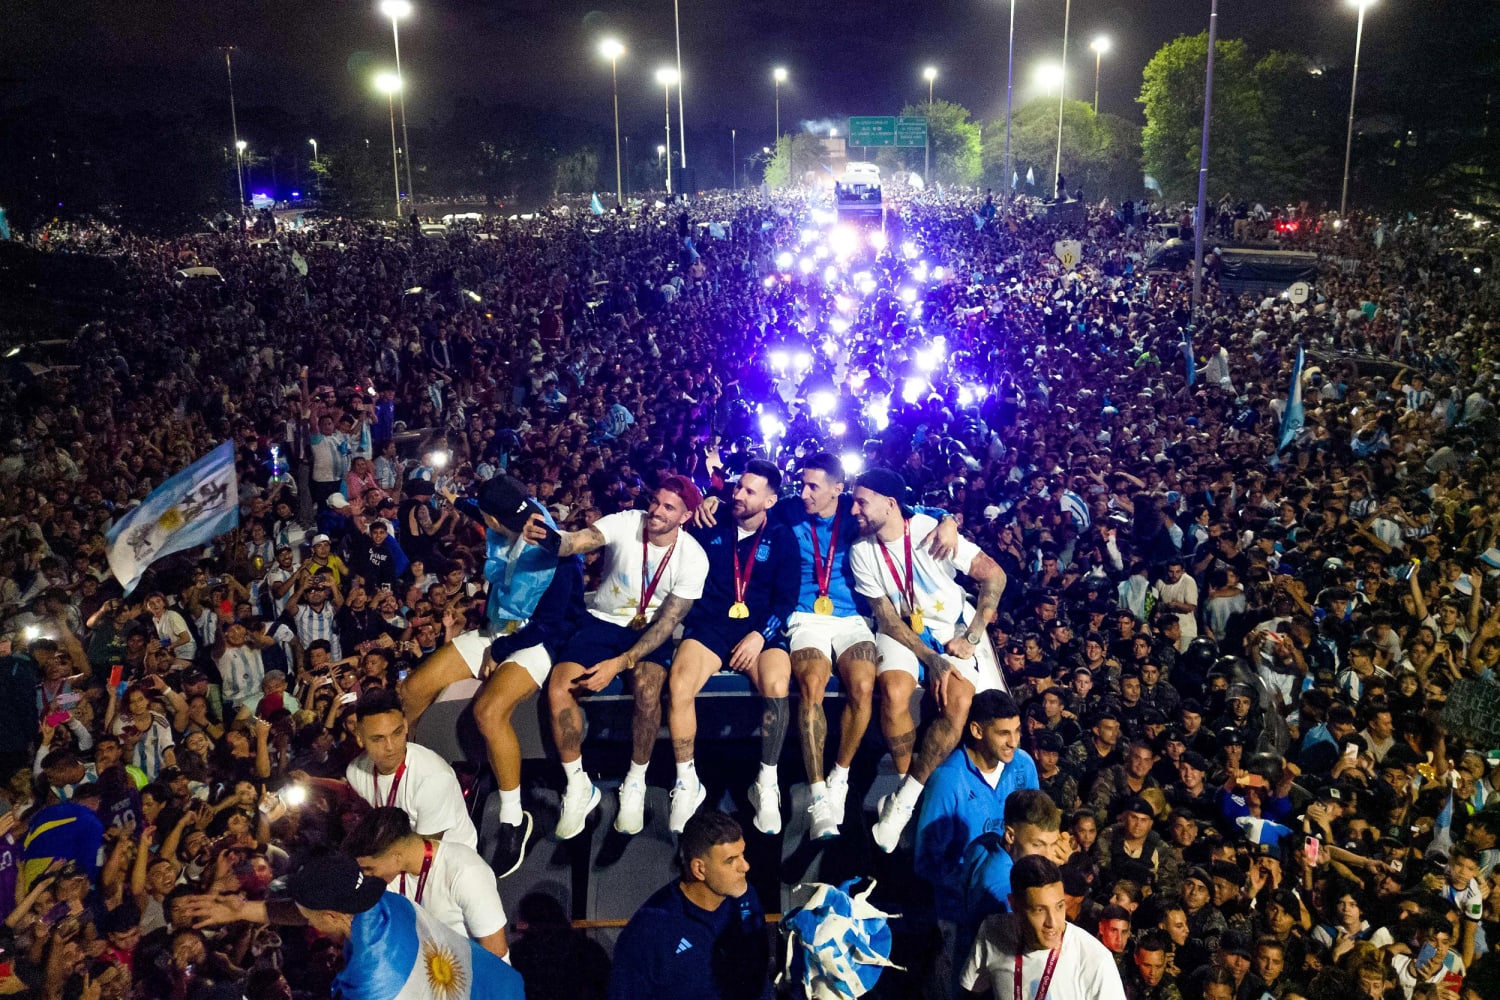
[192,508]
[595,205]
[1030,176]
[1262,831]
[837,944]
[1187,357]
[1442,830]
[1074,507]
[1292,417]
[398,951]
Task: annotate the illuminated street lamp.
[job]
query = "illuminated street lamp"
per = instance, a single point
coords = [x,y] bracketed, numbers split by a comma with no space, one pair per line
[1048,77]
[667,77]
[396,10]
[240,145]
[1100,46]
[389,84]
[612,50]
[1359,32]
[929,74]
[1062,99]
[778,77]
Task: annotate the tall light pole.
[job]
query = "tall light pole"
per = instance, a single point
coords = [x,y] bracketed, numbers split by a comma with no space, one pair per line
[314,143]
[234,124]
[396,10]
[612,50]
[317,179]
[734,169]
[1359,33]
[1010,78]
[389,84]
[681,116]
[1062,96]
[929,74]
[1100,46]
[1208,102]
[240,145]
[667,76]
[778,77]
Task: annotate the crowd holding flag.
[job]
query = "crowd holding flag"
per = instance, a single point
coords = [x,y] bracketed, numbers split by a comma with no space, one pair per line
[191,509]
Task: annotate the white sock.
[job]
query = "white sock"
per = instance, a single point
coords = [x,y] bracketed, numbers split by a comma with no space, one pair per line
[819,790]
[909,792]
[573,770]
[687,773]
[767,774]
[839,775]
[637,772]
[510,806]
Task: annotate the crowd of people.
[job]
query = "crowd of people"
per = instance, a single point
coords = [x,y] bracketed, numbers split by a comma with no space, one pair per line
[1183,636]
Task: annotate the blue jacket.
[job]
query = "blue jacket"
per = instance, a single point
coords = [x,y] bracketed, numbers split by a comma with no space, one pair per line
[673,950]
[957,806]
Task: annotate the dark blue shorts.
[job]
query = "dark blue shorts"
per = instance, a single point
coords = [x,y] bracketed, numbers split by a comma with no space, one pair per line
[719,634]
[597,640]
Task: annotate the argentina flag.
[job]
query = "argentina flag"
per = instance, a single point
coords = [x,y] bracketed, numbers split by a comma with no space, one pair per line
[1187,357]
[595,205]
[1074,507]
[1292,417]
[838,944]
[192,508]
[397,951]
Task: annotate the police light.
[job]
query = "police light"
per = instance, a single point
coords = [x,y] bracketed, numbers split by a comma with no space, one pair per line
[853,463]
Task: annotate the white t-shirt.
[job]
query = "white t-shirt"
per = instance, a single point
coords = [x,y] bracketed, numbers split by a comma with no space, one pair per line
[619,591]
[428,791]
[1085,968]
[1405,967]
[937,592]
[169,626]
[460,891]
[1184,591]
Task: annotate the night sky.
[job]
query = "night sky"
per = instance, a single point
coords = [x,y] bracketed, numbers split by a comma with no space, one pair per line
[845,57]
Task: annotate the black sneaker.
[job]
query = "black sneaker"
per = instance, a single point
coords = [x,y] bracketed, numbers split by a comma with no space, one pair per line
[510,848]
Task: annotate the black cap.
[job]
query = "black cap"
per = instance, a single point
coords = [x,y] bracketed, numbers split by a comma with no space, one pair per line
[334,882]
[1228,871]
[419,484]
[1191,705]
[1194,760]
[1137,804]
[1235,943]
[1230,737]
[1049,742]
[886,482]
[505,499]
[1394,836]
[1198,874]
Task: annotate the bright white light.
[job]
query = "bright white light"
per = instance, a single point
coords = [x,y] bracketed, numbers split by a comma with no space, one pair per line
[821,403]
[780,359]
[937,273]
[666,76]
[843,241]
[838,428]
[830,348]
[878,412]
[929,74]
[388,83]
[802,361]
[611,49]
[865,283]
[908,295]
[1100,45]
[784,260]
[838,324]
[1049,77]
[965,396]
[805,265]
[1478,270]
[878,240]
[294,795]
[779,74]
[920,272]
[853,463]
[844,303]
[240,144]
[914,388]
[808,235]
[30,633]
[824,217]
[830,274]
[926,359]
[395,9]
[771,426]
[438,459]
[980,391]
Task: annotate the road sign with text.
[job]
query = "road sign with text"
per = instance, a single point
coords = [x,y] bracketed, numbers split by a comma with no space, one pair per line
[872,131]
[911,132]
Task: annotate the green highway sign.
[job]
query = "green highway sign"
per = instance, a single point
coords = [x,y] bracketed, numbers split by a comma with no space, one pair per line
[872,131]
[911,132]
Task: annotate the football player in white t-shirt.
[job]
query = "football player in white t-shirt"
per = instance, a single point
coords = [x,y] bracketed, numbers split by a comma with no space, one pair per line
[651,573]
[925,624]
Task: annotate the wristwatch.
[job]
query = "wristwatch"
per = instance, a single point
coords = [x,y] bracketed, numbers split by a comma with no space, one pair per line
[974,637]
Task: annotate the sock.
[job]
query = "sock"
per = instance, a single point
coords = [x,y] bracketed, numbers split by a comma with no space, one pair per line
[637,772]
[767,774]
[687,773]
[573,770]
[839,775]
[510,806]
[819,790]
[773,725]
[909,792]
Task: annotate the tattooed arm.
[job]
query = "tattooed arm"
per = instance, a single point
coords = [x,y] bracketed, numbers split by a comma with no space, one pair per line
[671,613]
[574,543]
[991,579]
[891,624]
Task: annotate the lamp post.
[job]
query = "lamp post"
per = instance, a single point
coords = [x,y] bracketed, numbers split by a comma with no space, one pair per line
[681,115]
[1208,102]
[734,167]
[314,143]
[396,10]
[1359,33]
[234,125]
[1062,96]
[1010,77]
[612,50]
[929,74]
[778,77]
[1100,46]
[317,180]
[667,76]
[389,84]
[240,145]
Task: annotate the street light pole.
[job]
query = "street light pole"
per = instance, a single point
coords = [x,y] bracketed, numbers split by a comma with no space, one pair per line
[317,179]
[681,116]
[1359,33]
[1208,102]
[1062,95]
[734,169]
[666,76]
[1010,77]
[778,76]
[395,10]
[1100,46]
[611,49]
[234,125]
[389,84]
[929,74]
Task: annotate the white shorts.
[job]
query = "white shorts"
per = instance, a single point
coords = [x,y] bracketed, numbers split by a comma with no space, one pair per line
[981,670]
[473,646]
[827,634]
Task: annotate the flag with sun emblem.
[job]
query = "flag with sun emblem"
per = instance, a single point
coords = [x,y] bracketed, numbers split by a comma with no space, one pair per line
[192,508]
[398,951]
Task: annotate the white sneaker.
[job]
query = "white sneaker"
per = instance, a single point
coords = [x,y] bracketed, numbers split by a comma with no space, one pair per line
[893,819]
[685,801]
[838,793]
[766,800]
[632,816]
[824,825]
[580,799]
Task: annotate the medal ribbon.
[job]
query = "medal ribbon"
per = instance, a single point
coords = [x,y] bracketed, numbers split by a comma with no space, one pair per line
[647,591]
[427,851]
[390,799]
[1046,980]
[823,568]
[907,586]
[742,580]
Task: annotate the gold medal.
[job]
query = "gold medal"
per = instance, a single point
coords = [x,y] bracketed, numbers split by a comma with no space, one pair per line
[638,622]
[739,610]
[823,605]
[916,620]
[510,627]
